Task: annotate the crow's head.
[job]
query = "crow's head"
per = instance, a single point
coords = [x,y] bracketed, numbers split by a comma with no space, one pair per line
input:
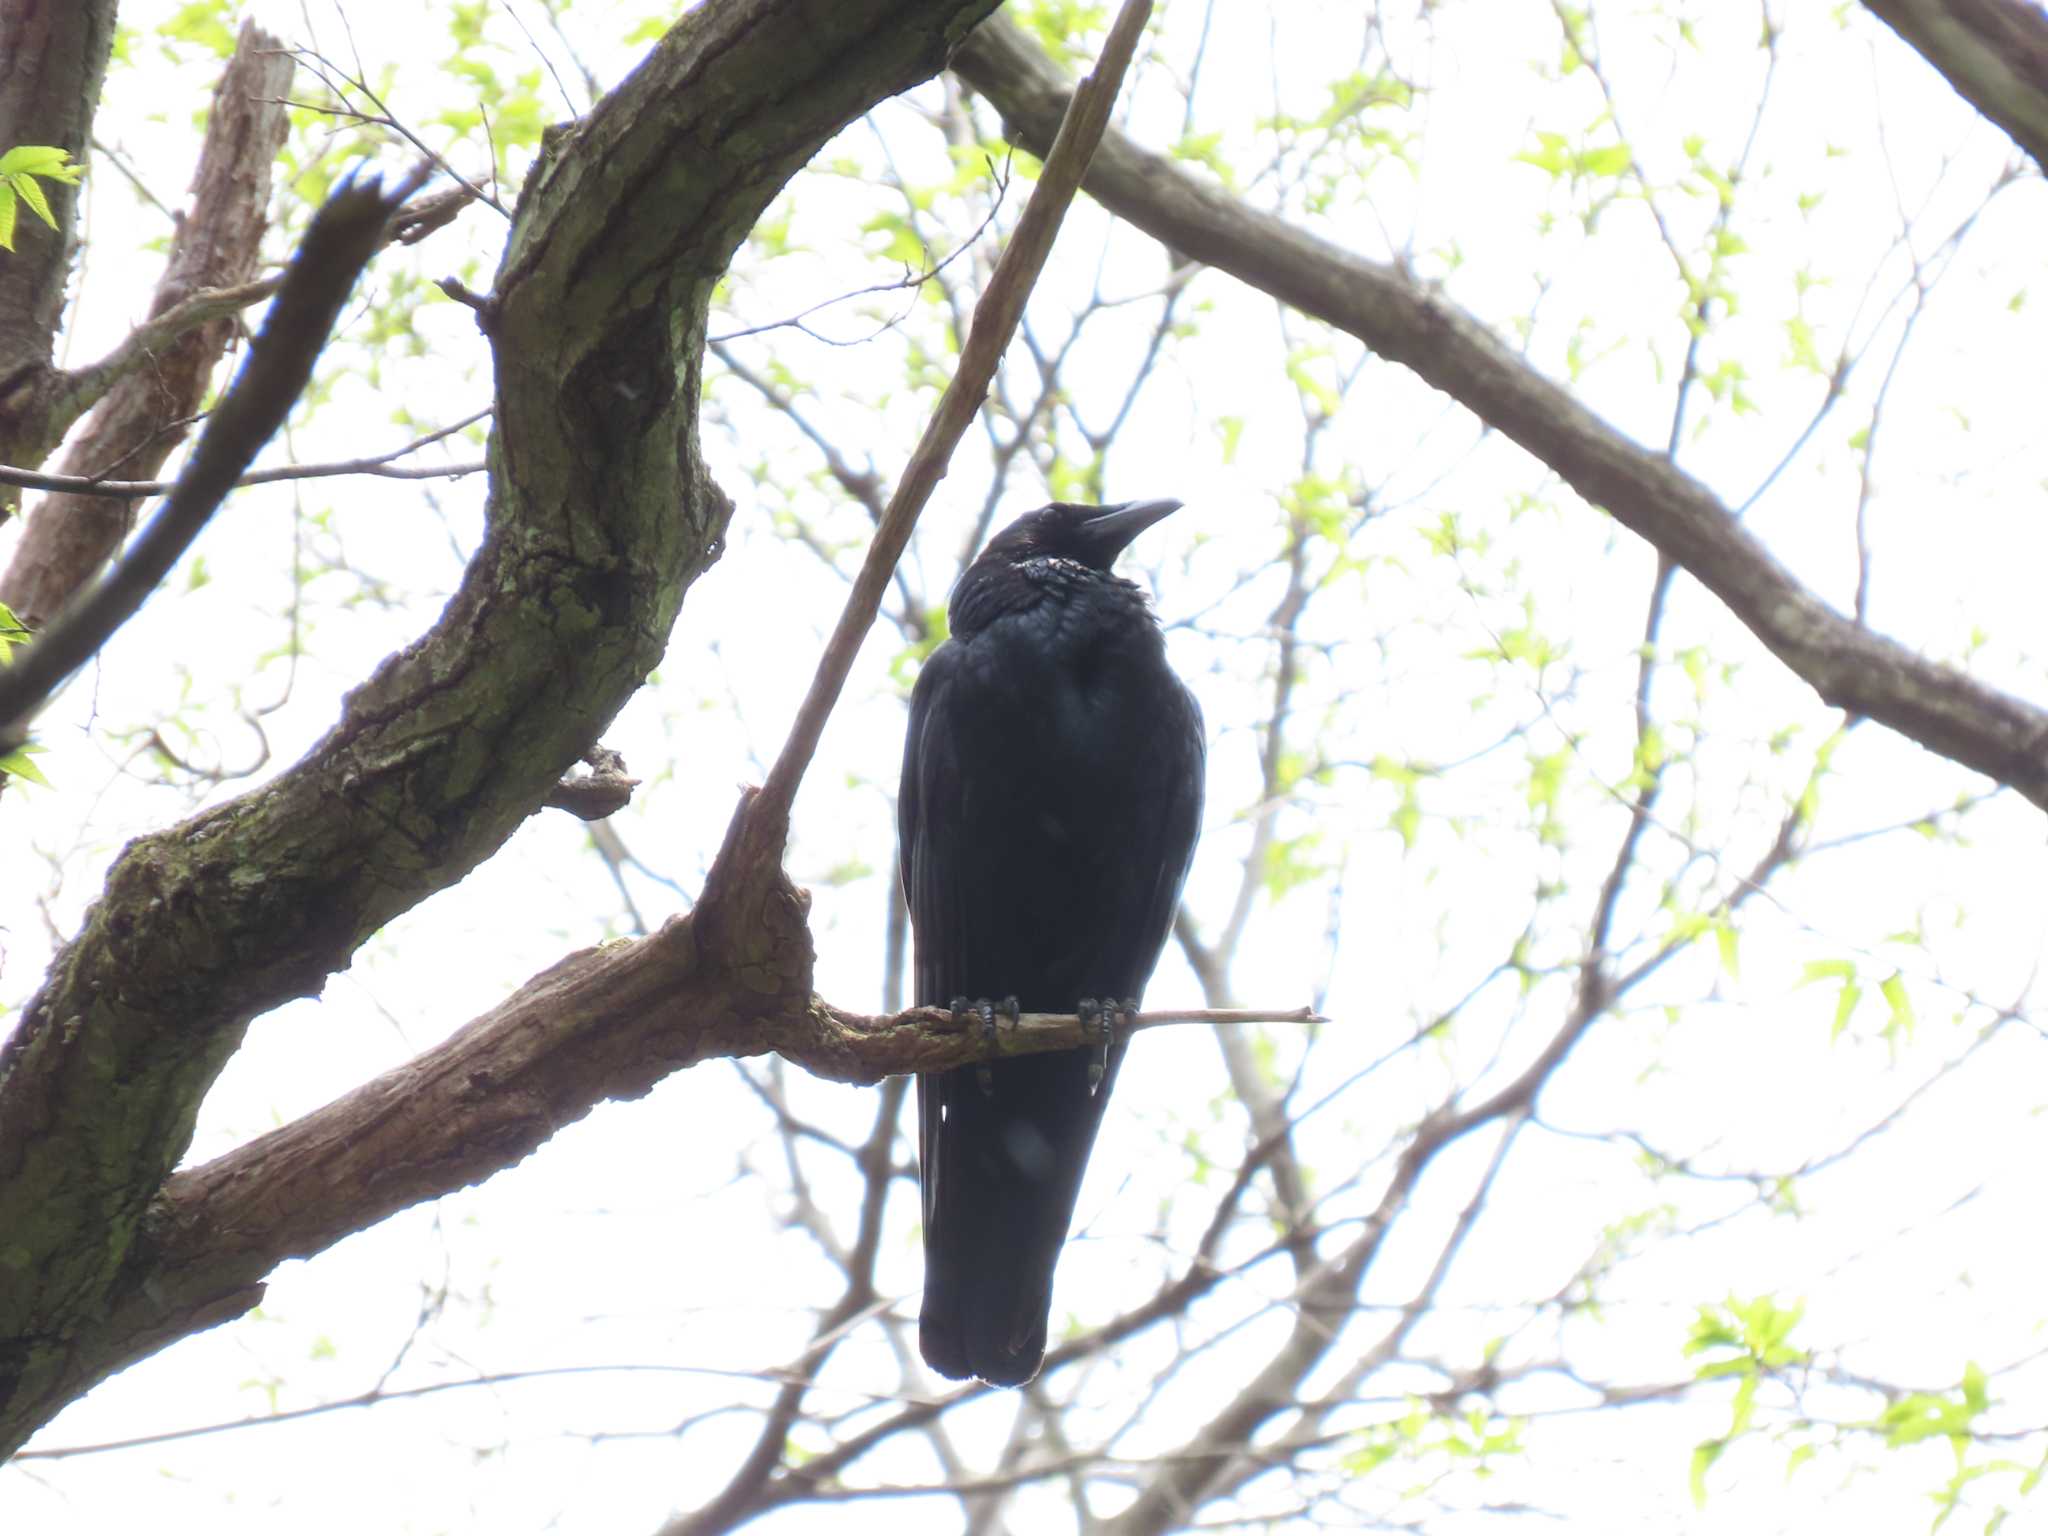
[1092,536]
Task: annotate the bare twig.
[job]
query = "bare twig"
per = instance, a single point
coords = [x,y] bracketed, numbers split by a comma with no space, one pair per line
[320,66]
[376,464]
[909,280]
[381,1394]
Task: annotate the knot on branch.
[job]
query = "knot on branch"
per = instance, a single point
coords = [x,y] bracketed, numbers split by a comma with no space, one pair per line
[597,794]
[754,922]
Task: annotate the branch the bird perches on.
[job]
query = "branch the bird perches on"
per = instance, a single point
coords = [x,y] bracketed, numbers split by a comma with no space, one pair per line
[852,1047]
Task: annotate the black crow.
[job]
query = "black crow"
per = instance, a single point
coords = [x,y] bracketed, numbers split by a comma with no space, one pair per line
[1052,788]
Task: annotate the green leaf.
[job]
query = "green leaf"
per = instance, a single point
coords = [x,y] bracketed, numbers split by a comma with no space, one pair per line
[201,23]
[16,765]
[30,191]
[1704,1455]
[1609,161]
[1976,1394]
[1311,388]
[19,168]
[1745,1404]
[1845,1006]
[1407,820]
[1894,989]
[40,160]
[1804,353]
[1922,1416]
[1846,1000]
[1725,939]
[1204,149]
[1290,863]
[1552,154]
[1827,970]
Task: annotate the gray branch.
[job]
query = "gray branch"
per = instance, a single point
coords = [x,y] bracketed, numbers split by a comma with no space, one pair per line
[1994,52]
[1944,710]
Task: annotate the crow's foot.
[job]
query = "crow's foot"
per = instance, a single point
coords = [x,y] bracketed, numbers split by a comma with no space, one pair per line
[1102,1019]
[986,1013]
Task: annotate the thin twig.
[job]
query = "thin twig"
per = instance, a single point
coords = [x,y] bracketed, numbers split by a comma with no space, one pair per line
[377,1395]
[376,464]
[911,280]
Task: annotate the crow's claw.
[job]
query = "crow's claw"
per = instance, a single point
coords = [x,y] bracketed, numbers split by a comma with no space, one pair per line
[985,1013]
[1101,1018]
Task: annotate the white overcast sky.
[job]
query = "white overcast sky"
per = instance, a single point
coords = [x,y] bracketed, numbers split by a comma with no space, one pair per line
[631,1240]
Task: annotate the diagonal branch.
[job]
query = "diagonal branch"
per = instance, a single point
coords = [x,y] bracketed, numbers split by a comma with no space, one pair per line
[1994,52]
[604,1023]
[1944,710]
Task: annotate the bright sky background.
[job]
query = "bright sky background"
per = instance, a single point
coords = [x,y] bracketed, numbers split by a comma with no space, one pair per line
[642,1236]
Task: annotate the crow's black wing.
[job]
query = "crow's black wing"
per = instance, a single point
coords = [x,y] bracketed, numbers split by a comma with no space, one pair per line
[1047,818]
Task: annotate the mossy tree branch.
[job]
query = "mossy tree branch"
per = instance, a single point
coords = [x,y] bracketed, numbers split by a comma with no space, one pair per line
[52,60]
[601,515]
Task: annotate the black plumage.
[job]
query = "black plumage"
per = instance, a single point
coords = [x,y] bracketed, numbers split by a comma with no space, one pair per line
[1052,789]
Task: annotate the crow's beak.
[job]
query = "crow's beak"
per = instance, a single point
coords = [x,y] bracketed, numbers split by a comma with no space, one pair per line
[1113,528]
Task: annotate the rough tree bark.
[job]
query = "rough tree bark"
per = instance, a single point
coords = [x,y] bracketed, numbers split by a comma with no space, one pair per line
[69,538]
[600,516]
[52,60]
[1994,52]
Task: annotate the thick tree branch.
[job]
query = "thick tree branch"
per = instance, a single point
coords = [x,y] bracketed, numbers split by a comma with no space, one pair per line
[142,417]
[605,1023]
[52,60]
[1994,52]
[1943,709]
[601,515]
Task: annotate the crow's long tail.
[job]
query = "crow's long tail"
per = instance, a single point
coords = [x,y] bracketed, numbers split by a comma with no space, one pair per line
[1001,1170]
